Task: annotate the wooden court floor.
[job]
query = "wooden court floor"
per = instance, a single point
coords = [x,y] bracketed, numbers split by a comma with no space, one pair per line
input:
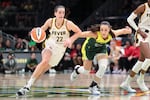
[59,87]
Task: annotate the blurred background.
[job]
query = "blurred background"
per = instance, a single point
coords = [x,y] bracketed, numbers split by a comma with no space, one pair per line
[18,17]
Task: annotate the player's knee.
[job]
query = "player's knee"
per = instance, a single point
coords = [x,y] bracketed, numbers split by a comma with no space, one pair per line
[136,70]
[101,71]
[146,65]
[45,62]
[103,63]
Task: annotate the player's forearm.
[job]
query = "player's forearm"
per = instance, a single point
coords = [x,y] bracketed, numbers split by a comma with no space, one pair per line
[86,34]
[131,21]
[75,37]
[82,35]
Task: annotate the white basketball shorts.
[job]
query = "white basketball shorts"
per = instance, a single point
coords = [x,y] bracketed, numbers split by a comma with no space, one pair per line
[57,50]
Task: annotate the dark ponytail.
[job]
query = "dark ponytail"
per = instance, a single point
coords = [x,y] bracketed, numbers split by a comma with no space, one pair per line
[112,34]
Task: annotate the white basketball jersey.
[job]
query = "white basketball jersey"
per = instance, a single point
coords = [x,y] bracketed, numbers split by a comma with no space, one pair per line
[59,35]
[144,22]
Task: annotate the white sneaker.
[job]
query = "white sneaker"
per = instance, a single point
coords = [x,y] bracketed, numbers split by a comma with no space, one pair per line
[74,74]
[22,91]
[94,90]
[127,87]
[142,85]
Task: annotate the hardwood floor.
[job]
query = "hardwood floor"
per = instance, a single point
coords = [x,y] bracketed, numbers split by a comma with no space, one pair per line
[59,87]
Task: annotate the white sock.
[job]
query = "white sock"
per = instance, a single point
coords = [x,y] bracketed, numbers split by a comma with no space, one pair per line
[128,79]
[146,64]
[30,82]
[81,70]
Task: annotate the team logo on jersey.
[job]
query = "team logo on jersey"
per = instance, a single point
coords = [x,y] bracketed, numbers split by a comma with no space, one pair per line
[98,45]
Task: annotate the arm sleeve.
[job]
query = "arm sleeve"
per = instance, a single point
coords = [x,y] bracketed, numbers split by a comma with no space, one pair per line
[131,21]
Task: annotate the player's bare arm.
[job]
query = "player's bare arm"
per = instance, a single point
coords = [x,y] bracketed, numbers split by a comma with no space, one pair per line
[80,34]
[137,12]
[126,30]
[47,24]
[88,34]
[72,27]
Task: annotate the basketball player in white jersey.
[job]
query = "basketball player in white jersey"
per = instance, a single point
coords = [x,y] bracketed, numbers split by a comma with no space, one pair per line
[55,45]
[143,41]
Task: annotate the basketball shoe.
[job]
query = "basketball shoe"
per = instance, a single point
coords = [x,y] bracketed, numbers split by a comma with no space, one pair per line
[142,85]
[22,91]
[127,87]
[74,74]
[94,90]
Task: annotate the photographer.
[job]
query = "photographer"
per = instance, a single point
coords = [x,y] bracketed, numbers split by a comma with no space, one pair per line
[11,64]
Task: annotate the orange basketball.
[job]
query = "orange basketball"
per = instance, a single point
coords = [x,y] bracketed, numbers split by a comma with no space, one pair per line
[38,35]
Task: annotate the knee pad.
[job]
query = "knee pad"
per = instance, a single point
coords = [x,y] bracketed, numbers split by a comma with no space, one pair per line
[82,70]
[146,64]
[102,64]
[137,67]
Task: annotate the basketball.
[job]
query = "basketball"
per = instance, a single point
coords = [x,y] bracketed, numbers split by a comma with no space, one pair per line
[38,35]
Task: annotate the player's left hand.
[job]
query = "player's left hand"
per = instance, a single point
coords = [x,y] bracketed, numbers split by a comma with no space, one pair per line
[67,43]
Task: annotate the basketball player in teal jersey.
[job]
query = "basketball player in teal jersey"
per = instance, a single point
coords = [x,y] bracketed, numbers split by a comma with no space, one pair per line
[98,37]
[143,41]
[55,45]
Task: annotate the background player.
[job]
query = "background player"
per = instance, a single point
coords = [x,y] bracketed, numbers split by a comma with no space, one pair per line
[143,39]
